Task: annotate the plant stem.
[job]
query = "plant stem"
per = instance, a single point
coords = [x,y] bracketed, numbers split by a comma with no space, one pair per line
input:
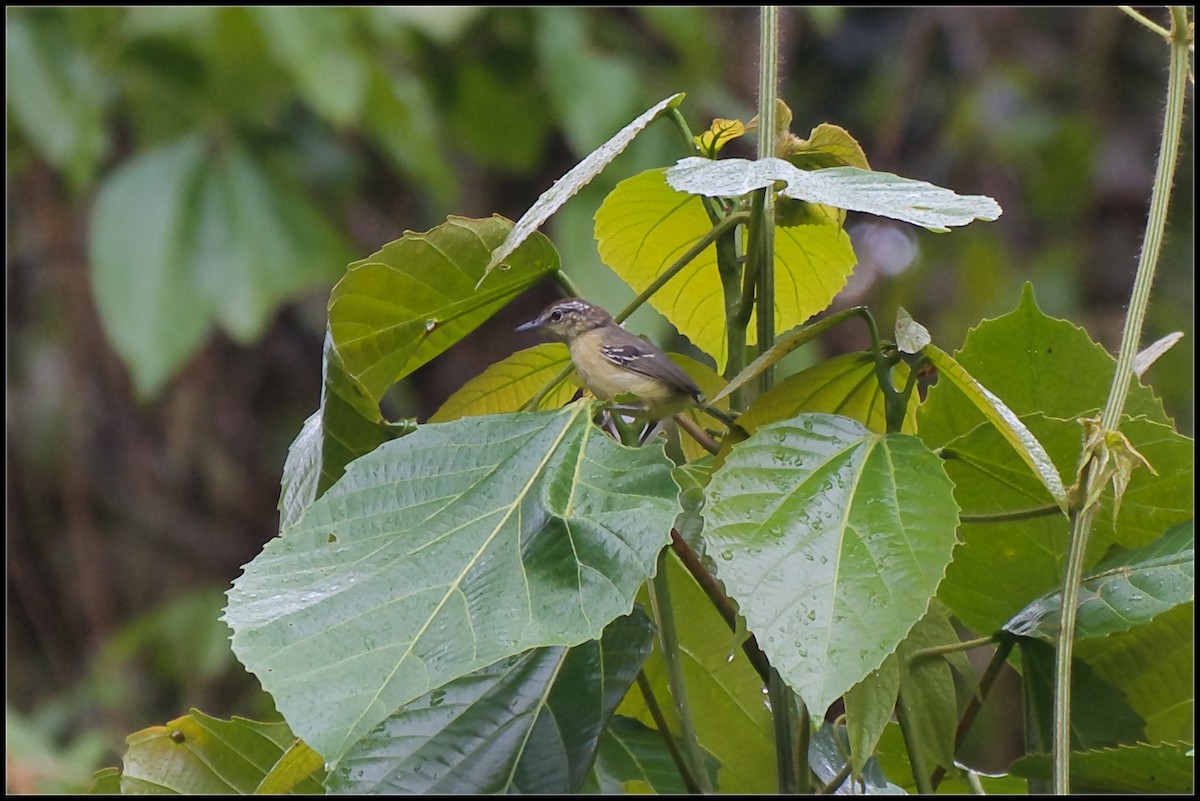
[762,249]
[721,602]
[660,721]
[951,648]
[1111,416]
[664,618]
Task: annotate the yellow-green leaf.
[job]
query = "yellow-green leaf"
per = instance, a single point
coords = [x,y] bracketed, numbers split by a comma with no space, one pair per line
[509,383]
[644,226]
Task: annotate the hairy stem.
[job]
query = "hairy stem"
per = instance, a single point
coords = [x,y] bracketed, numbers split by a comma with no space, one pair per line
[1081,522]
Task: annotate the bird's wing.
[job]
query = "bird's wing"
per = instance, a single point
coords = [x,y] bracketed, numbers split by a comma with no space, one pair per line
[639,356]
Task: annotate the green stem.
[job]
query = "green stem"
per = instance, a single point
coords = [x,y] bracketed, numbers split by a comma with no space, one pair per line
[1007,517]
[1110,418]
[1144,20]
[762,247]
[660,721]
[664,619]
[721,602]
[951,648]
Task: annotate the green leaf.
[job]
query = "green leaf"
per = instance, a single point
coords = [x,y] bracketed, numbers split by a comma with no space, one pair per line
[1013,536]
[146,295]
[256,243]
[1101,715]
[869,707]
[397,309]
[1154,664]
[318,47]
[578,177]
[632,758]
[347,425]
[510,382]
[927,688]
[107,781]
[644,226]
[832,539]
[297,764]
[845,385]
[527,724]
[827,145]
[200,755]
[1004,419]
[1036,364]
[56,94]
[892,758]
[180,239]
[729,709]
[852,188]
[443,552]
[911,336]
[1167,768]
[1125,590]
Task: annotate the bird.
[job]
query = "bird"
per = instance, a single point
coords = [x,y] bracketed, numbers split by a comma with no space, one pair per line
[612,362]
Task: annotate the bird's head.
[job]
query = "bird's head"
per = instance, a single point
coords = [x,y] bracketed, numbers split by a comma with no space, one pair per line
[568,318]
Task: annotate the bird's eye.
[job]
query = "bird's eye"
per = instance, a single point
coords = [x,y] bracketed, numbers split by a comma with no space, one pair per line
[556,315]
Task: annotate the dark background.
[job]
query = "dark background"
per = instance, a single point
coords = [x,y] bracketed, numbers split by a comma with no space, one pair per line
[128,515]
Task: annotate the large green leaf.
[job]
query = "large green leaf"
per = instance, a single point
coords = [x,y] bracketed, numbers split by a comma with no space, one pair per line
[852,188]
[180,239]
[729,709]
[1154,664]
[1167,768]
[832,539]
[1123,591]
[201,755]
[644,226]
[509,383]
[55,92]
[1013,536]
[1034,363]
[441,553]
[527,724]
[395,310]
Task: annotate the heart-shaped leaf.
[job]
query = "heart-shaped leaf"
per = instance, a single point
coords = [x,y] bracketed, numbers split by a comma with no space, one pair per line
[442,552]
[832,539]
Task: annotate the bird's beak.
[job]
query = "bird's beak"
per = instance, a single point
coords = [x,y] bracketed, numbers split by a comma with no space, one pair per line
[529,326]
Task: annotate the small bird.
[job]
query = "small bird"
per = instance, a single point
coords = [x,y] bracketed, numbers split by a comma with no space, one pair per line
[611,361]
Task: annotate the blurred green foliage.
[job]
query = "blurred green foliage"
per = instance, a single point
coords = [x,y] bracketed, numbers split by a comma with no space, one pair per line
[165,327]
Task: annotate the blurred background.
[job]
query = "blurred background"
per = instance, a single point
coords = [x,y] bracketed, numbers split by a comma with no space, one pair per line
[185,185]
